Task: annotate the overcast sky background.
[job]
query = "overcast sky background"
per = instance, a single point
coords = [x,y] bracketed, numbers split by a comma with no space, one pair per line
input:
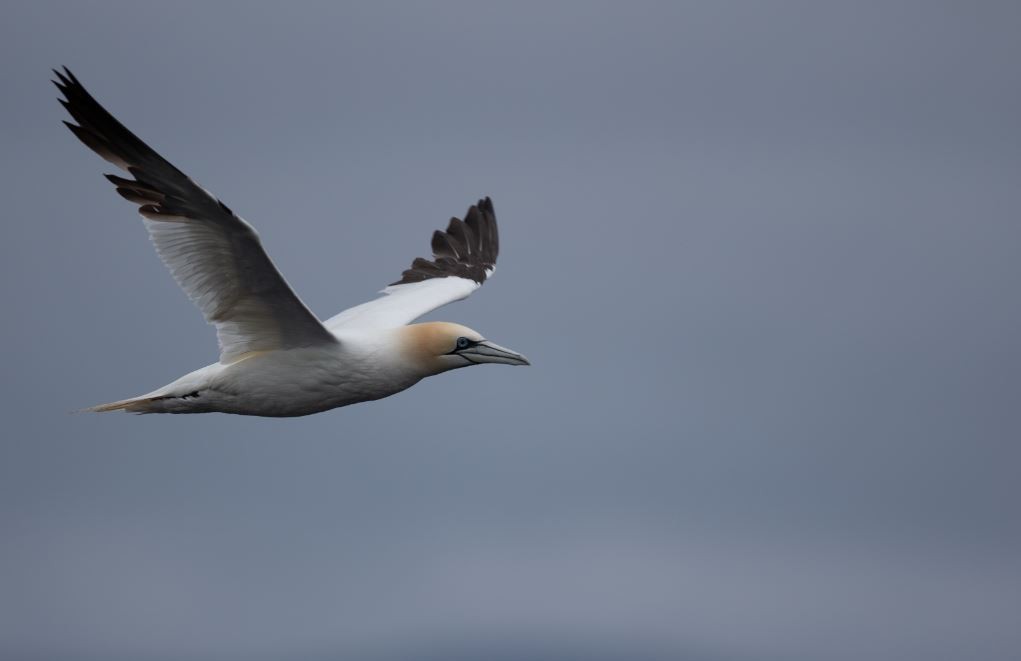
[763,257]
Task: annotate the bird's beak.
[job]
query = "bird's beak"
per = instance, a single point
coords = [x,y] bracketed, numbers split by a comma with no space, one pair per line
[487,352]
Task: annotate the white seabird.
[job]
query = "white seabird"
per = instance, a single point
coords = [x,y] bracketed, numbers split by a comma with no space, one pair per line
[276,357]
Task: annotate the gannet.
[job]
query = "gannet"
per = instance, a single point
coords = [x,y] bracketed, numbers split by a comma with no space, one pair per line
[276,357]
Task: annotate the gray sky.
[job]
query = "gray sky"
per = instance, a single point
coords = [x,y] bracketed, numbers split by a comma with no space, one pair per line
[763,257]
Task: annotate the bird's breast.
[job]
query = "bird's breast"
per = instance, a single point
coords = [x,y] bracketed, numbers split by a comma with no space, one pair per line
[309,380]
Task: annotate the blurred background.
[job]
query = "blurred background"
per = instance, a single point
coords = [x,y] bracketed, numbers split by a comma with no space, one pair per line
[763,257]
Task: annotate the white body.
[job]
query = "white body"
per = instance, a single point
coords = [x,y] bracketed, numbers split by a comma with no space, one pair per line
[292,382]
[360,366]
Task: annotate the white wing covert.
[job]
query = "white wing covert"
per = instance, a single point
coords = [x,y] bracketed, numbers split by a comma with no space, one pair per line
[213,254]
[464,256]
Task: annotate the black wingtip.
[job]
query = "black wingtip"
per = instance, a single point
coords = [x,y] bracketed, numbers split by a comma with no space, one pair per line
[65,81]
[169,191]
[467,249]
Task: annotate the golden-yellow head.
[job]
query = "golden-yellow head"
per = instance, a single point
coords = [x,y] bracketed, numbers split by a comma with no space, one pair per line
[439,346]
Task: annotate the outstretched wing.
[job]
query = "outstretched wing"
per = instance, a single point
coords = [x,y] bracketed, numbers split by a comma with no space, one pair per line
[463,257]
[213,254]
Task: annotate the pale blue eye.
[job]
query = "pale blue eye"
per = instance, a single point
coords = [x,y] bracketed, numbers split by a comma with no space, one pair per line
[463,342]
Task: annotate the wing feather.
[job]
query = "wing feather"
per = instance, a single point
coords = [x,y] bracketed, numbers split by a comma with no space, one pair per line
[464,256]
[213,254]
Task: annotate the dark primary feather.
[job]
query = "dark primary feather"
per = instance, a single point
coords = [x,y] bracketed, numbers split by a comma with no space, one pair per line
[156,181]
[467,249]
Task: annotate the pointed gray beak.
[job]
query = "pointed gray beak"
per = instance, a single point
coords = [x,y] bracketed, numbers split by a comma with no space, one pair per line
[488,352]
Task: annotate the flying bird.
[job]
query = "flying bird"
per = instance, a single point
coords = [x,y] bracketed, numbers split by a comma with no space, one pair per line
[276,357]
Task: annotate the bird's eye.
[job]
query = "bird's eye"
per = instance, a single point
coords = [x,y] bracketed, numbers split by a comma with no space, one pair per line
[463,342]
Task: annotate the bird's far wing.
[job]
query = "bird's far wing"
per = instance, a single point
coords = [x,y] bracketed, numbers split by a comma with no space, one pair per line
[463,257]
[213,254]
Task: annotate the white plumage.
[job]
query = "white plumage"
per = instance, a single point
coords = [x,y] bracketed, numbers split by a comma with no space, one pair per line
[276,357]
[402,304]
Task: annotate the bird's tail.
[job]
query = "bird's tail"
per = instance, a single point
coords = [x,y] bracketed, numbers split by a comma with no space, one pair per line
[143,404]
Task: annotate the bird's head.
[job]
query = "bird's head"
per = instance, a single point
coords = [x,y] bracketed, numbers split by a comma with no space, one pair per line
[439,346]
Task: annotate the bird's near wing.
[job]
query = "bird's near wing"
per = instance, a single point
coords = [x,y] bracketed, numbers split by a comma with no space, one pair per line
[463,257]
[213,254]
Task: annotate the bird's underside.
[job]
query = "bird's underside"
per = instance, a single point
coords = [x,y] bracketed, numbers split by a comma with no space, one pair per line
[289,382]
[276,357]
